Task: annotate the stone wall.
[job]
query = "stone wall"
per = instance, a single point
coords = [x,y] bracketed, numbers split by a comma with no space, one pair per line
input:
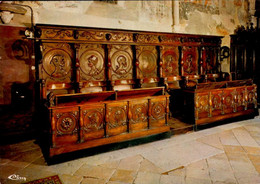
[208,17]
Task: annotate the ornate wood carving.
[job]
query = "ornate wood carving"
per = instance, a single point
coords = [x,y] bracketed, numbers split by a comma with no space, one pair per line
[157,112]
[91,62]
[93,119]
[92,35]
[120,63]
[169,61]
[56,62]
[138,114]
[67,122]
[116,118]
[120,37]
[147,38]
[209,60]
[189,60]
[146,62]
[57,33]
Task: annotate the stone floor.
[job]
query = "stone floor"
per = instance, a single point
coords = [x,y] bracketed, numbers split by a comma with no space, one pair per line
[227,154]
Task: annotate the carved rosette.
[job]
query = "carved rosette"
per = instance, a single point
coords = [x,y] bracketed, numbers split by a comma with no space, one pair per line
[190,60]
[146,61]
[56,62]
[139,112]
[228,99]
[93,120]
[116,116]
[158,110]
[169,61]
[121,58]
[66,123]
[91,62]
[57,34]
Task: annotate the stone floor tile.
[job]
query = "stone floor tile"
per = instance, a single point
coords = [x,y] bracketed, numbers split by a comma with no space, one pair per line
[92,181]
[219,163]
[212,140]
[115,182]
[69,167]
[252,128]
[112,164]
[131,163]
[69,179]
[198,170]
[147,166]
[124,176]
[189,180]
[252,150]
[7,170]
[229,126]
[244,137]
[181,171]
[222,176]
[228,138]
[242,165]
[255,159]
[210,131]
[147,178]
[247,178]
[233,149]
[95,172]
[171,179]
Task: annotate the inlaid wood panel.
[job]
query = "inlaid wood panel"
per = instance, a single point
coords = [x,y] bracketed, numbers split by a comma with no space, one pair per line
[169,59]
[120,62]
[138,114]
[65,126]
[116,118]
[146,61]
[56,62]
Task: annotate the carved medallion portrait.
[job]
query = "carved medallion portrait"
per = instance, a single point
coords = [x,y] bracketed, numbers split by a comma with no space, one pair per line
[121,63]
[91,63]
[170,64]
[148,62]
[57,63]
[190,58]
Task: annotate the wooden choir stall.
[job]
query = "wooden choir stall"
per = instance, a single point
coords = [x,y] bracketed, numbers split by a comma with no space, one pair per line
[101,86]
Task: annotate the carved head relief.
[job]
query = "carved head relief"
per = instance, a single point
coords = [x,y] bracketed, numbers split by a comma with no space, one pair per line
[147,62]
[57,63]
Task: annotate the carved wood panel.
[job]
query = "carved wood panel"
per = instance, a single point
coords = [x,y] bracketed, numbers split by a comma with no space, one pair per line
[93,125]
[251,97]
[116,118]
[65,126]
[240,99]
[228,100]
[56,62]
[120,64]
[209,60]
[202,108]
[169,61]
[146,62]
[189,60]
[216,102]
[91,58]
[138,114]
[157,112]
